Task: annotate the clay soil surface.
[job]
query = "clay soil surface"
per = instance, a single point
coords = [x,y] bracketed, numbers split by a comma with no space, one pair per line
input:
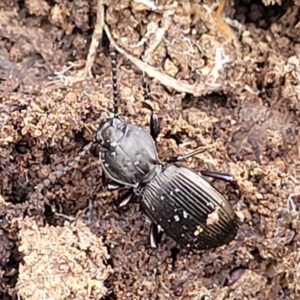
[239,100]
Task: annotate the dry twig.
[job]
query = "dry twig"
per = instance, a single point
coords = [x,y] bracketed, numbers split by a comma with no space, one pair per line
[164,79]
[97,34]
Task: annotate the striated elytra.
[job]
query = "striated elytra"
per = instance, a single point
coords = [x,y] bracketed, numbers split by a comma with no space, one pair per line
[189,209]
[178,201]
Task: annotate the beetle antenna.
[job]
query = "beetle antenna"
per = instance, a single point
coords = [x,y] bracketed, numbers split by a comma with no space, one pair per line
[113,55]
[146,89]
[59,173]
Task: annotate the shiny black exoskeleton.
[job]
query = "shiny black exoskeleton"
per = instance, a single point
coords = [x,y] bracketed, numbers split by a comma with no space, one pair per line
[176,199]
[130,156]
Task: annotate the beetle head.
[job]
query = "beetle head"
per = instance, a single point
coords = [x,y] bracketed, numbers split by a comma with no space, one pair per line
[110,132]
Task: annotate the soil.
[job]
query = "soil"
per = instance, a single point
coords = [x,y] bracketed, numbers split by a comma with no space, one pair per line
[231,90]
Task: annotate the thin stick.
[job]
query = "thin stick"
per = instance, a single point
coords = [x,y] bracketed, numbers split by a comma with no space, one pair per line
[97,35]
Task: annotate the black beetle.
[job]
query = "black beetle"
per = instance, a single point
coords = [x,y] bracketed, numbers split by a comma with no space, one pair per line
[177,200]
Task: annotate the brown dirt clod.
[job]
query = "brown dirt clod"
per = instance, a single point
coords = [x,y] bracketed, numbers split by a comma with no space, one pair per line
[71,255]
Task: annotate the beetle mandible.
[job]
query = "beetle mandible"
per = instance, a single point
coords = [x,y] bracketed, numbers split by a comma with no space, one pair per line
[176,199]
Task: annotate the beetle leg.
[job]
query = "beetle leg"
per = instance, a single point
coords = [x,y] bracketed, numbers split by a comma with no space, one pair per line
[217,175]
[212,174]
[125,196]
[154,126]
[112,186]
[185,156]
[109,184]
[156,234]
